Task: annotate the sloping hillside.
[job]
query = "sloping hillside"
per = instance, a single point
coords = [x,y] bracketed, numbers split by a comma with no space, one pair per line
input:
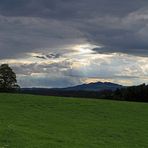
[28,121]
[98,86]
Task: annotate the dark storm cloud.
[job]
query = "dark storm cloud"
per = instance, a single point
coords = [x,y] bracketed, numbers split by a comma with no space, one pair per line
[28,34]
[107,50]
[117,25]
[68,8]
[43,34]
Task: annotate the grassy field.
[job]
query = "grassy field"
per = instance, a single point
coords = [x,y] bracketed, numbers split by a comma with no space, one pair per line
[28,121]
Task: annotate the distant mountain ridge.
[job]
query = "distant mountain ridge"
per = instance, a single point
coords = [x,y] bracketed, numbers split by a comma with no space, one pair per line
[97,86]
[91,90]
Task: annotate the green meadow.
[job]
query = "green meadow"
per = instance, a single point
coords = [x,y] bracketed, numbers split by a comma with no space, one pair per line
[28,121]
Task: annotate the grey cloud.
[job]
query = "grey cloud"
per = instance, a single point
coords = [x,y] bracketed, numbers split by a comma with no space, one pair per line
[22,35]
[68,8]
[120,34]
[28,25]
[44,75]
[108,50]
[125,68]
[51,27]
[58,68]
[58,82]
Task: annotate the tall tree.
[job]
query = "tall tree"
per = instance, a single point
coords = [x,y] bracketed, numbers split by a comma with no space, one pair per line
[7,78]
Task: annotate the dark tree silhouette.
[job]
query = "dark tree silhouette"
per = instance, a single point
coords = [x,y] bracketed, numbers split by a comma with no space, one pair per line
[7,78]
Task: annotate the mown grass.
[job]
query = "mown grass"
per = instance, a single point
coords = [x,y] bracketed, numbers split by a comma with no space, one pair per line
[28,121]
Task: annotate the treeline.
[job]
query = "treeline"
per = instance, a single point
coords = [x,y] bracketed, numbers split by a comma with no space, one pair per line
[61,93]
[133,93]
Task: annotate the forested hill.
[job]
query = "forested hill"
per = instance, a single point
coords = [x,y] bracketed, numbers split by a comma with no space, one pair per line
[98,86]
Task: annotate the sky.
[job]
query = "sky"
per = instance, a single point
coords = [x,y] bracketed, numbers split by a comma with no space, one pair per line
[61,43]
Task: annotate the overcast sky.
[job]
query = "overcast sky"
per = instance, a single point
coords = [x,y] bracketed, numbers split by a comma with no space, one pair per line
[60,43]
